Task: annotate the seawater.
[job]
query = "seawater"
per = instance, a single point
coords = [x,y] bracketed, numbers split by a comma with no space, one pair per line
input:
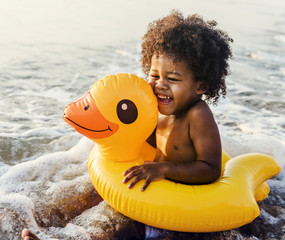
[52,52]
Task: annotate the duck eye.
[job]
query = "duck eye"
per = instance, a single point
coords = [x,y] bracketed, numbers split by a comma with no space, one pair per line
[127,111]
[86,107]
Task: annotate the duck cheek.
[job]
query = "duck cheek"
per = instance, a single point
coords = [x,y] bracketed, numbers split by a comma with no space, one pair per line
[152,84]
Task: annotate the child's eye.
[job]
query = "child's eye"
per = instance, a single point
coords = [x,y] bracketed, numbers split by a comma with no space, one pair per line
[154,76]
[173,79]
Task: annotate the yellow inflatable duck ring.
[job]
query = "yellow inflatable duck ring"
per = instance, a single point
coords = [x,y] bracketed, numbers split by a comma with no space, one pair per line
[119,113]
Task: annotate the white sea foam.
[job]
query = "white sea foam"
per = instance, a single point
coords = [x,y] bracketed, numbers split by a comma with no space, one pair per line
[260,55]
[35,181]
[280,38]
[255,143]
[25,177]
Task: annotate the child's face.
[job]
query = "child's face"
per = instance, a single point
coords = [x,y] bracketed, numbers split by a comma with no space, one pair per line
[173,84]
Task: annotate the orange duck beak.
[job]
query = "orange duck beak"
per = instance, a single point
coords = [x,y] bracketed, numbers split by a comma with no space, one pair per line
[84,116]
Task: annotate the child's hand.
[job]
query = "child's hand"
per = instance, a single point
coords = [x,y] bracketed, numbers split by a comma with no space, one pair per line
[150,171]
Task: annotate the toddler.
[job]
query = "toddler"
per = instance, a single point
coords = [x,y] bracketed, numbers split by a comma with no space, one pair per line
[186,61]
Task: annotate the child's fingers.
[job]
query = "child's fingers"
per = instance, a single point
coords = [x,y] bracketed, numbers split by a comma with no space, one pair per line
[27,234]
[130,170]
[147,182]
[136,180]
[132,174]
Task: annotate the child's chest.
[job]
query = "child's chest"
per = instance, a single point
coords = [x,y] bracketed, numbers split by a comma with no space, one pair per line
[172,138]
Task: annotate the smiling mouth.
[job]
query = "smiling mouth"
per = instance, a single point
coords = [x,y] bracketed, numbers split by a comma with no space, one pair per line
[163,98]
[104,130]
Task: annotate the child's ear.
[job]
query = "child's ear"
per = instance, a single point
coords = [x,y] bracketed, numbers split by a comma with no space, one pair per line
[201,88]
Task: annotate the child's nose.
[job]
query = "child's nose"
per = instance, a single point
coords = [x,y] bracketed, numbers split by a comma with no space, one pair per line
[161,84]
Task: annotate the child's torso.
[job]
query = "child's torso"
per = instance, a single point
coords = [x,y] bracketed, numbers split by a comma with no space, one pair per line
[172,138]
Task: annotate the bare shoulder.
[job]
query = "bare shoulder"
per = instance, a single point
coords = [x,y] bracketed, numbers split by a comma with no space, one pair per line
[200,111]
[202,122]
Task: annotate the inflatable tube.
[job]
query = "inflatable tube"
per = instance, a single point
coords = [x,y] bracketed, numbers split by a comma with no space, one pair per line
[119,113]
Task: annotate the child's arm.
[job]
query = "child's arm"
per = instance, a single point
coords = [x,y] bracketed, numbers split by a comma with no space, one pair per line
[206,168]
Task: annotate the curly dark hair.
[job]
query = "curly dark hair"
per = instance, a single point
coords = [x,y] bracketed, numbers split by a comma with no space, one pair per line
[204,47]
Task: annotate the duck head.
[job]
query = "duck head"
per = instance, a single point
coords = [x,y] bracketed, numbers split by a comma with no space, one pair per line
[119,112]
